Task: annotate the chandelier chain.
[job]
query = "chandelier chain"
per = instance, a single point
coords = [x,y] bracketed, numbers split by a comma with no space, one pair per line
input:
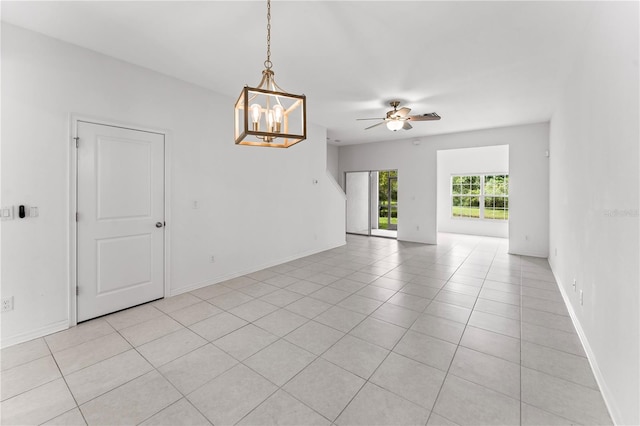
[268,64]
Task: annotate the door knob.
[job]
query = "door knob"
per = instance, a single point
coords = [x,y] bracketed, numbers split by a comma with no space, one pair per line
[158,224]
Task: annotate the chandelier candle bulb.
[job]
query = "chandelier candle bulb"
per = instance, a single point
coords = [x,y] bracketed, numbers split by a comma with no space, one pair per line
[255,115]
[278,112]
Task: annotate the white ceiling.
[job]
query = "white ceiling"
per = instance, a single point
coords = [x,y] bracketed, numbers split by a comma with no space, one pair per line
[477,64]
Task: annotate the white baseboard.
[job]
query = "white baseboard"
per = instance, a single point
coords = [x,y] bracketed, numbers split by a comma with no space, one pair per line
[222,278]
[64,324]
[609,400]
[34,334]
[542,255]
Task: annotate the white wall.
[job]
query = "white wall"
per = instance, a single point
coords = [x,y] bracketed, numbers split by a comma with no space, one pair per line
[416,165]
[469,161]
[357,207]
[332,161]
[594,203]
[258,207]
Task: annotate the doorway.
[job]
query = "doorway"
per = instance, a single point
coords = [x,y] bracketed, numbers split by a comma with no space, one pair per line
[120,220]
[473,191]
[372,203]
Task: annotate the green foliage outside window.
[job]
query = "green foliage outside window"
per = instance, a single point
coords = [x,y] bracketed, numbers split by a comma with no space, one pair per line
[384,177]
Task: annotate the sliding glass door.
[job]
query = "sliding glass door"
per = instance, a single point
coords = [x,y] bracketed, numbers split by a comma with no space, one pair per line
[372,203]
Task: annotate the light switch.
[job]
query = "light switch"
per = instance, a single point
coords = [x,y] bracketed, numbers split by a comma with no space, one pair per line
[6,213]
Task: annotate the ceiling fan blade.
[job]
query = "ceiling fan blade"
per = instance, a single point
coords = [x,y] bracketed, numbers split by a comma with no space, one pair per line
[370,127]
[407,126]
[424,117]
[403,112]
[359,119]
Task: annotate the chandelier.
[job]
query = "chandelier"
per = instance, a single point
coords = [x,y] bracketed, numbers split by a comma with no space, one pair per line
[266,115]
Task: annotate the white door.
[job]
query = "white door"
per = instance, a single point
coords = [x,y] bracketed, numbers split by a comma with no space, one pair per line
[120,225]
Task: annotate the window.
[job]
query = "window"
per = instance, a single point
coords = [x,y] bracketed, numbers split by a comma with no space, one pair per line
[496,197]
[480,196]
[465,196]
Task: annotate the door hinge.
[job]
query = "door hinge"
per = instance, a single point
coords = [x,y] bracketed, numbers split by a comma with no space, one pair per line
[77,139]
[77,217]
[77,290]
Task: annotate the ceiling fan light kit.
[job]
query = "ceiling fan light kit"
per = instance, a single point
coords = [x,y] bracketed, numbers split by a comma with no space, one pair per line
[395,125]
[267,115]
[397,119]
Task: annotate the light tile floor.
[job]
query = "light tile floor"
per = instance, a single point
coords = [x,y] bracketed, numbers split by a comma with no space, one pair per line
[375,332]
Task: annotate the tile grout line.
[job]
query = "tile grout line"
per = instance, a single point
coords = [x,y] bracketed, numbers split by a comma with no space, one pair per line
[377,258]
[367,380]
[301,370]
[67,385]
[330,347]
[457,347]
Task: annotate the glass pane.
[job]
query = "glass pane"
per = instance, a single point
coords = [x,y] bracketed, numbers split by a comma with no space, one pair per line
[474,207]
[393,202]
[488,202]
[382,218]
[490,185]
[496,208]
[456,209]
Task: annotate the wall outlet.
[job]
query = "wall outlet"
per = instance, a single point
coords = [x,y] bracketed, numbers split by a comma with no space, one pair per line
[212,259]
[581,298]
[574,284]
[7,304]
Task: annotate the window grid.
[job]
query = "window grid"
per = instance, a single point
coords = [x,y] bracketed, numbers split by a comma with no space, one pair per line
[480,196]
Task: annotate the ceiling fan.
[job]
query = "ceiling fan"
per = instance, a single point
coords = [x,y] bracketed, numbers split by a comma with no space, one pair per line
[397,119]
